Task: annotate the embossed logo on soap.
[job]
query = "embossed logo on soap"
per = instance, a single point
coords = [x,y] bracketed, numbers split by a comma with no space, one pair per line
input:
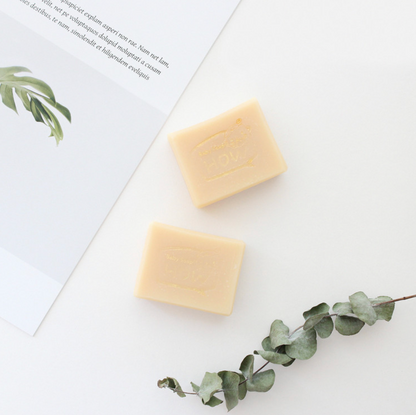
[189,268]
[227,151]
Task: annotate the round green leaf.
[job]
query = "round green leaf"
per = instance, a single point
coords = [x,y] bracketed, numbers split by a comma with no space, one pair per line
[246,366]
[325,327]
[347,326]
[230,381]
[289,364]
[273,357]
[342,308]
[267,344]
[322,308]
[214,401]
[312,321]
[279,334]
[262,381]
[385,311]
[210,384]
[303,345]
[242,387]
[362,308]
[195,387]
[173,384]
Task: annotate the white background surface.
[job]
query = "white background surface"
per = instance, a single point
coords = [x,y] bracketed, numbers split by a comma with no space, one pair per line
[337,83]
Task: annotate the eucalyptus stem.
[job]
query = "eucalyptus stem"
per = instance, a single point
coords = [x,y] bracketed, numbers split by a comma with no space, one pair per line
[255,373]
[396,300]
[335,315]
[282,347]
[176,390]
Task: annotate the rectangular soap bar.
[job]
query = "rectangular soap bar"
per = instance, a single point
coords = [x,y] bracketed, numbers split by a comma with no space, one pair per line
[190,269]
[227,154]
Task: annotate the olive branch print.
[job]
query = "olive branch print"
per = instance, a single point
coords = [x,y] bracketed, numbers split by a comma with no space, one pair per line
[37,98]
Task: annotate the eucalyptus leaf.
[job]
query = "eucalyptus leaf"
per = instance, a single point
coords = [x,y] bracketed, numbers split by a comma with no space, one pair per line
[172,384]
[195,387]
[267,344]
[362,308]
[347,325]
[325,327]
[342,309]
[322,308]
[262,381]
[279,334]
[246,366]
[210,384]
[318,318]
[384,311]
[304,345]
[230,381]
[214,401]
[281,348]
[289,363]
[313,320]
[242,387]
[163,383]
[274,357]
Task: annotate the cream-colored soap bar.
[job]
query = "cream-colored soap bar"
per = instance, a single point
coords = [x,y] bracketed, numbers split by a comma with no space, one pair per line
[227,154]
[190,269]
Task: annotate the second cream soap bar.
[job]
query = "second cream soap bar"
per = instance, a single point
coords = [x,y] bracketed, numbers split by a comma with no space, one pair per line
[190,269]
[227,154]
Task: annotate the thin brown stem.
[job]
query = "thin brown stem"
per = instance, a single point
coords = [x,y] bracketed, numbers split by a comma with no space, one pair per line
[186,393]
[301,327]
[395,301]
[261,368]
[254,373]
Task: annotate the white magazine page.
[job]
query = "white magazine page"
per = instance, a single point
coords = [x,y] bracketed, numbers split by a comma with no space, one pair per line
[85,88]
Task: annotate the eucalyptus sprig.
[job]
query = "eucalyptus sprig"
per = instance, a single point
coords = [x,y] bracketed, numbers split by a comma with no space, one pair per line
[37,98]
[283,347]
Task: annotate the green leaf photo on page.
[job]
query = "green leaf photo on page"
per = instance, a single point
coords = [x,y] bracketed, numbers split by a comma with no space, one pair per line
[36,96]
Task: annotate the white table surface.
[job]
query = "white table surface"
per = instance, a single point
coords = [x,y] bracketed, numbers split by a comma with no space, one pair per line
[337,83]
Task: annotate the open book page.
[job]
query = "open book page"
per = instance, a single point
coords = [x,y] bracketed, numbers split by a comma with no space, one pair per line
[85,88]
